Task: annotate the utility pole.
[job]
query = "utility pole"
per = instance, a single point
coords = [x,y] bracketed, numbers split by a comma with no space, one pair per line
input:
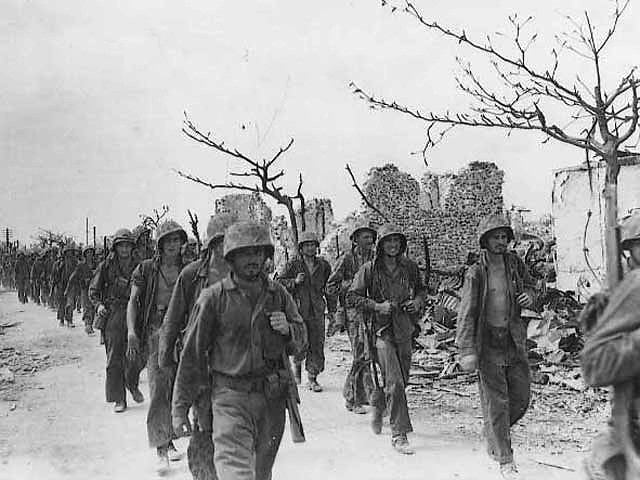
[94,237]
[86,231]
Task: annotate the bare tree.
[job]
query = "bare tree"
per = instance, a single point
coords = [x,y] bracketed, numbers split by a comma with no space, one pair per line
[152,222]
[261,171]
[193,221]
[601,121]
[365,199]
[522,96]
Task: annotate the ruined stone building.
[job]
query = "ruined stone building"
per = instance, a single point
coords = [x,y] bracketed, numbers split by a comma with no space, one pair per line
[580,240]
[441,212]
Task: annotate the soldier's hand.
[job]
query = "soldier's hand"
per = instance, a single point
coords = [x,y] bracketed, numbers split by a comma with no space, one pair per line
[133,345]
[469,363]
[279,323]
[101,311]
[413,306]
[384,308]
[181,426]
[525,300]
[299,278]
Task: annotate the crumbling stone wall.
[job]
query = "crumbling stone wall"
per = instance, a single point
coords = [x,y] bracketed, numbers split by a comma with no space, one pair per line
[444,209]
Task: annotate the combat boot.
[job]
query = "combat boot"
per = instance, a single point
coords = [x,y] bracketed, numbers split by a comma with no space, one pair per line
[401,444]
[162,461]
[314,386]
[137,395]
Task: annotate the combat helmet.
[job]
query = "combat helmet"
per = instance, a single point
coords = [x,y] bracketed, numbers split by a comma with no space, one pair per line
[217,226]
[167,228]
[247,234]
[122,235]
[389,230]
[308,237]
[87,248]
[490,223]
[69,247]
[362,226]
[630,230]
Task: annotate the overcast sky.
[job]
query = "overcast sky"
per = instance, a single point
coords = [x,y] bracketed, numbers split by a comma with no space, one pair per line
[92,98]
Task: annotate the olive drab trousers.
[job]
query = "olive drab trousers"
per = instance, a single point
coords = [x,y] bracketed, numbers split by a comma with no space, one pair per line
[159,428]
[395,362]
[121,373]
[505,392]
[247,431]
[314,353]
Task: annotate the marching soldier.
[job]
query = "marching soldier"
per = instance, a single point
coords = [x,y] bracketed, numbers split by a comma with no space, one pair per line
[109,292]
[35,277]
[153,282]
[192,280]
[62,271]
[391,289]
[358,385]
[21,275]
[305,276]
[243,328]
[492,337]
[79,286]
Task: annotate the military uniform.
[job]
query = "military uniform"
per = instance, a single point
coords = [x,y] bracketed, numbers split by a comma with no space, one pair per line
[194,278]
[155,292]
[110,287]
[503,367]
[21,275]
[35,278]
[79,287]
[232,342]
[60,276]
[312,300]
[358,385]
[374,284]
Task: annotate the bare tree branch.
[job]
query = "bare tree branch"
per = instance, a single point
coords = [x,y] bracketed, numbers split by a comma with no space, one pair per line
[363,196]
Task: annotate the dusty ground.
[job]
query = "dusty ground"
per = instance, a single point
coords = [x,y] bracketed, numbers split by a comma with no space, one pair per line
[54,423]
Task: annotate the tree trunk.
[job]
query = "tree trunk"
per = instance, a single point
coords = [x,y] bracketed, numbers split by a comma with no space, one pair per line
[612,248]
[294,224]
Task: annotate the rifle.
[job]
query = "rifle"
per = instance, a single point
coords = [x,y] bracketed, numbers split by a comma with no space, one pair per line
[378,400]
[293,399]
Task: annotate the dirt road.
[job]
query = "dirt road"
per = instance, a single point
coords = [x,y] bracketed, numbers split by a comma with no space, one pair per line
[54,423]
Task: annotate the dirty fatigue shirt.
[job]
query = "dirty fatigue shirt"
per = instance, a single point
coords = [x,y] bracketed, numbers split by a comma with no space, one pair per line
[79,285]
[60,277]
[147,277]
[228,338]
[611,355]
[503,368]
[191,281]
[22,278]
[34,277]
[310,297]
[358,385]
[375,284]
[111,287]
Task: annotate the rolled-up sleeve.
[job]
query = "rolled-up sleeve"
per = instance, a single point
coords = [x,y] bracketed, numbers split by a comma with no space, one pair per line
[357,293]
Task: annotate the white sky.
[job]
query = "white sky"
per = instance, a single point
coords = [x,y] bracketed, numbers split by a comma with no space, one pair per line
[92,95]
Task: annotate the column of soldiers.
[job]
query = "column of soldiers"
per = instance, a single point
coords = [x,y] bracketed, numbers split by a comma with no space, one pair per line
[217,333]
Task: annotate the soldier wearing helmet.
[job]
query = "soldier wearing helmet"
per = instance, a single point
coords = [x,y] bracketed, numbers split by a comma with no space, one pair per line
[358,385]
[241,330]
[610,358]
[305,276]
[143,249]
[78,286]
[109,291]
[390,288]
[35,277]
[195,277]
[491,336]
[153,281]
[60,275]
[190,250]
[21,275]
